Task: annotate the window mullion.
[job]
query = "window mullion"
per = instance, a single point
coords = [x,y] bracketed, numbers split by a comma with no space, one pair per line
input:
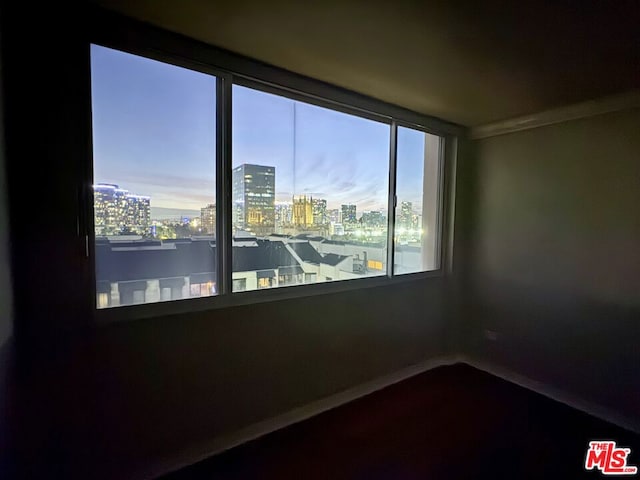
[446,198]
[223,185]
[391,209]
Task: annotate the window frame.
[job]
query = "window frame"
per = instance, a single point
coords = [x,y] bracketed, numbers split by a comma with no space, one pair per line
[444,159]
[117,32]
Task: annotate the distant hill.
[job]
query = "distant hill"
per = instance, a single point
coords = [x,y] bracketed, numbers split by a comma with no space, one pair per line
[161,213]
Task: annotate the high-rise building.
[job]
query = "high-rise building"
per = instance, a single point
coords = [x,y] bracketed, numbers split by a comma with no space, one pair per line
[254,198]
[208,219]
[405,218]
[319,211]
[284,214]
[138,214]
[348,214]
[302,211]
[109,205]
[119,212]
[333,215]
[373,219]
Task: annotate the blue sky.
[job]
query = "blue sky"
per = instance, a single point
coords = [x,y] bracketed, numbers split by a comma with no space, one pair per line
[154,134]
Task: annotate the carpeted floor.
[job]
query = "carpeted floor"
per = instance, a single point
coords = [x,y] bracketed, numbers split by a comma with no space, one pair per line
[449,423]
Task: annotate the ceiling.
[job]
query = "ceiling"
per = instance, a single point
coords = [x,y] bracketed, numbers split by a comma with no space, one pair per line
[463,61]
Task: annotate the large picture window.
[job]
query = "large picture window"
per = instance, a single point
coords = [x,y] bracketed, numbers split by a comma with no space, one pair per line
[308,193]
[154,134]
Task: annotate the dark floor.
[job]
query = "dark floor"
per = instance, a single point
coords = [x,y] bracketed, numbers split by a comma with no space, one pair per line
[449,423]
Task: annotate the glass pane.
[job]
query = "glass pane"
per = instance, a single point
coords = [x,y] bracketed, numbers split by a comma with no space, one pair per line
[417,191]
[310,189]
[154,179]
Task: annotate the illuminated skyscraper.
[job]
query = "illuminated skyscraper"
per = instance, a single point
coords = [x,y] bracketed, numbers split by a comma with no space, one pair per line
[333,215]
[109,205]
[348,214]
[319,211]
[208,219]
[373,219]
[119,212]
[406,215]
[302,211]
[284,214]
[137,214]
[254,198]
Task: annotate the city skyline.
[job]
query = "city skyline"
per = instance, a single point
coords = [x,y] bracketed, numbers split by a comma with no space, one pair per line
[154,130]
[196,212]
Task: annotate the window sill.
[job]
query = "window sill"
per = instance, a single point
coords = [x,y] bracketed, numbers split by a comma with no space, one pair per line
[190,305]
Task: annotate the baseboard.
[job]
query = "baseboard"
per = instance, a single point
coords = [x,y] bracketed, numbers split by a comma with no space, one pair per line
[554,393]
[257,430]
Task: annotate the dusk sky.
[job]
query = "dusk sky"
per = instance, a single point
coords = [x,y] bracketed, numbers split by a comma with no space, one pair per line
[154,134]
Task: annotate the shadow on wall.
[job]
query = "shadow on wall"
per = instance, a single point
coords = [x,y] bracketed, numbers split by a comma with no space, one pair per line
[129,397]
[6,310]
[6,407]
[573,343]
[555,265]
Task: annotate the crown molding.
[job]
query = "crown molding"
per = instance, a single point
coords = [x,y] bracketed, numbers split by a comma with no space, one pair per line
[614,103]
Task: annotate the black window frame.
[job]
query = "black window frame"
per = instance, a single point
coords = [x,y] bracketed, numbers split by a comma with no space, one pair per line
[114,31]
